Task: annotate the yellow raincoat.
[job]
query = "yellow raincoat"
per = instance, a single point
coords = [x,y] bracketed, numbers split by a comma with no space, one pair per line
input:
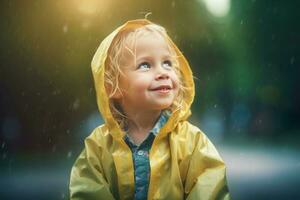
[184,163]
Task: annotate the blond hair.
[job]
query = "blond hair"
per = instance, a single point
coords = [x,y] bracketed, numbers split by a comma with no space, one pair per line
[113,71]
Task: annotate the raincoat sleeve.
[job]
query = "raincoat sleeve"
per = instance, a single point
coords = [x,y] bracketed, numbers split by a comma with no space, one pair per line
[87,181]
[206,176]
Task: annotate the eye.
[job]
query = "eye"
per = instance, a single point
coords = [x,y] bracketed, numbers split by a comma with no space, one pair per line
[167,64]
[144,65]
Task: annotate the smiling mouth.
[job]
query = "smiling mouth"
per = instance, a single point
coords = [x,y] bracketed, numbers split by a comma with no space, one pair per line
[162,89]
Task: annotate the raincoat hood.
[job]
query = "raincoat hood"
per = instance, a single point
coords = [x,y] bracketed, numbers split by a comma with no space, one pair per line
[98,69]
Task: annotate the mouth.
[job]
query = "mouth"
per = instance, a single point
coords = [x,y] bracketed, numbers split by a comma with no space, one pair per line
[162,89]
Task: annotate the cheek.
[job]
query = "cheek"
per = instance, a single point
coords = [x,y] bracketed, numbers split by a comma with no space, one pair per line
[175,80]
[139,84]
[176,84]
[143,79]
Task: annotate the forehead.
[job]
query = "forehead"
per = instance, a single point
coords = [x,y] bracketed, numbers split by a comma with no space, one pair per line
[146,42]
[152,40]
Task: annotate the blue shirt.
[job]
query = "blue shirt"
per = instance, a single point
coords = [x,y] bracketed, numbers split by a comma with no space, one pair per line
[140,154]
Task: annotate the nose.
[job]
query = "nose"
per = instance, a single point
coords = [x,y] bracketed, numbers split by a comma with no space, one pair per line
[161,73]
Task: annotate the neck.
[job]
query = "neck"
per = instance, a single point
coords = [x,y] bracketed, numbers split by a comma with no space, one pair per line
[141,122]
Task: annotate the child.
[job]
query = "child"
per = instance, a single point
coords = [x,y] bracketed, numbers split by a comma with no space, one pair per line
[146,149]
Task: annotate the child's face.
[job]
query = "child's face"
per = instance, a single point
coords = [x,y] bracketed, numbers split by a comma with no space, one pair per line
[149,81]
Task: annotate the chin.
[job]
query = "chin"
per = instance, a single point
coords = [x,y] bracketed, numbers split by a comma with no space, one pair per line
[164,106]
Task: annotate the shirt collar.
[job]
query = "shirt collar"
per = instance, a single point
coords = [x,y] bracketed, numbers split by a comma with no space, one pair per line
[161,122]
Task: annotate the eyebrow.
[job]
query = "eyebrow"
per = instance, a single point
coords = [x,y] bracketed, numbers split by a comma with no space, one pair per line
[165,56]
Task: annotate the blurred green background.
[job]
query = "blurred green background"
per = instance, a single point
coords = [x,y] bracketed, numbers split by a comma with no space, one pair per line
[245,59]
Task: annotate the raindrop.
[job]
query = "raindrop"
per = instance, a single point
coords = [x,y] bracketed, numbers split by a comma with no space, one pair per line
[56,92]
[242,22]
[76,104]
[292,60]
[65,28]
[4,156]
[68,131]
[173,4]
[69,154]
[215,106]
[3,145]
[63,196]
